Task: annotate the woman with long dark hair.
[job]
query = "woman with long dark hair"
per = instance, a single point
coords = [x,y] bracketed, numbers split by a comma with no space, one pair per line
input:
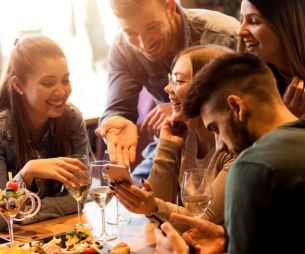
[38,129]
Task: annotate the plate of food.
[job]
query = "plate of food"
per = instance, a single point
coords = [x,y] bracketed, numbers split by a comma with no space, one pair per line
[77,240]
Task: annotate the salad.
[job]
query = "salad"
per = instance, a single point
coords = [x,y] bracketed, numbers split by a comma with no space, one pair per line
[79,240]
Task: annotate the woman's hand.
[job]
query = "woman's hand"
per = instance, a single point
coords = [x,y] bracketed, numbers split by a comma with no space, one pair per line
[62,169]
[141,201]
[294,97]
[174,131]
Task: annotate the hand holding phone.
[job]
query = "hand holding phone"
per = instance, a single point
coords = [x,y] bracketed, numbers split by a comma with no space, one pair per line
[159,220]
[118,173]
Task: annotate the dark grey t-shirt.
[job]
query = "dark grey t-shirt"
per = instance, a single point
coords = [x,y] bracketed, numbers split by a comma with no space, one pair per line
[265,194]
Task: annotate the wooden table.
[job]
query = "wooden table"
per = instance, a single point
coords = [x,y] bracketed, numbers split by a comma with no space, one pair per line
[138,234]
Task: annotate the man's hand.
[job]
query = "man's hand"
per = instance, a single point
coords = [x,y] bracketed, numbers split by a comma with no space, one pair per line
[122,139]
[205,236]
[169,241]
[155,117]
[294,97]
[136,200]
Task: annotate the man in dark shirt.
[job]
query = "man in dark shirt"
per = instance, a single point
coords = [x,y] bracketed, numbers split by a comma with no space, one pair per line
[238,100]
[153,31]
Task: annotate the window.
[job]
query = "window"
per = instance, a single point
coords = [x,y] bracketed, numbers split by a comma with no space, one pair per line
[83,28]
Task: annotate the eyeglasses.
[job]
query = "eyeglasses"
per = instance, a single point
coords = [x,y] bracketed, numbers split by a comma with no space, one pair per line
[174,81]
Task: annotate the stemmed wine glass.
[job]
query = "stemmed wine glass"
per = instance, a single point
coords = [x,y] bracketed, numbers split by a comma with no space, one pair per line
[17,205]
[101,193]
[118,219]
[80,192]
[196,191]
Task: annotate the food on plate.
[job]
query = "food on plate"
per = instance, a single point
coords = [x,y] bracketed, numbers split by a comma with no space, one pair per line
[120,248]
[76,241]
[12,185]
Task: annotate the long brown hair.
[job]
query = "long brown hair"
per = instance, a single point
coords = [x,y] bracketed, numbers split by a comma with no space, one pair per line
[287,19]
[26,55]
[200,55]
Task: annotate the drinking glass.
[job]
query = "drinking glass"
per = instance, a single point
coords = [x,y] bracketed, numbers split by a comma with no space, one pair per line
[18,206]
[80,192]
[101,193]
[196,191]
[118,219]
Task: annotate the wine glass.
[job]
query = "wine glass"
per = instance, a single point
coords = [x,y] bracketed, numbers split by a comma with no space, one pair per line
[118,219]
[17,206]
[80,192]
[196,191]
[101,193]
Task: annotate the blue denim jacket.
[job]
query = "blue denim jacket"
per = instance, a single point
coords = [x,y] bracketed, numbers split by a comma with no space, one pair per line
[129,70]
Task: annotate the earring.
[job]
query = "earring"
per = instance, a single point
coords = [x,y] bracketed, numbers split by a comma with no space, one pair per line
[20,92]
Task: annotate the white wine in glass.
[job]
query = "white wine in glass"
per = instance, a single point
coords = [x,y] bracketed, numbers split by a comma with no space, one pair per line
[80,192]
[196,191]
[101,193]
[102,196]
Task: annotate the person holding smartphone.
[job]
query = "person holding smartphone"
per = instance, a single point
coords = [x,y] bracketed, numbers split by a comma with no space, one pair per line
[183,144]
[265,191]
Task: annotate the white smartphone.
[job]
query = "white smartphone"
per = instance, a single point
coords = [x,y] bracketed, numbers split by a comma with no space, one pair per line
[118,173]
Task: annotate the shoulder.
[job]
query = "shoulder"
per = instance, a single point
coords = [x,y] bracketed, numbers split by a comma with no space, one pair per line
[119,44]
[120,48]
[213,21]
[279,152]
[224,160]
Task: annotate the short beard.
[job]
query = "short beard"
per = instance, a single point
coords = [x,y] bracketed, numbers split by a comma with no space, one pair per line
[241,138]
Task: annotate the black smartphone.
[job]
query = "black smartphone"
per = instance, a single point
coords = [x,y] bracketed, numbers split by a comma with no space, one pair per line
[159,220]
[3,240]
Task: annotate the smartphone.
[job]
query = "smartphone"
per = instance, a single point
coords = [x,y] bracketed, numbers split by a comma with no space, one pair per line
[3,240]
[118,173]
[159,220]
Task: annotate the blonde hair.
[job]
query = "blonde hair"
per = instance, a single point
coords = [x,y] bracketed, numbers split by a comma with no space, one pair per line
[27,54]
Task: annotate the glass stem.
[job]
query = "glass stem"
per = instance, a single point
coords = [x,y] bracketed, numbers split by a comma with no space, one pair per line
[79,213]
[10,230]
[117,210]
[103,223]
